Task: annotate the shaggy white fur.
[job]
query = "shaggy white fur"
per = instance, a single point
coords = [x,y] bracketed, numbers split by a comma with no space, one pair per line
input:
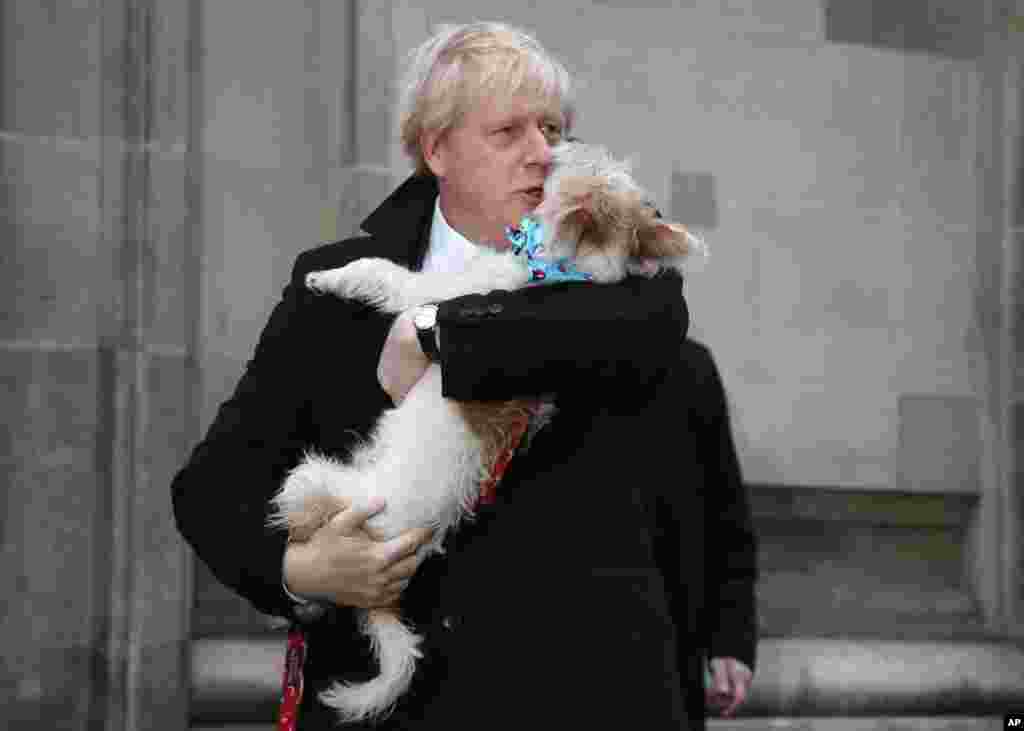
[429,457]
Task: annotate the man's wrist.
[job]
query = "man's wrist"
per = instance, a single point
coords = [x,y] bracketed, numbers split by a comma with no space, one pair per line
[304,610]
[289,562]
[293,597]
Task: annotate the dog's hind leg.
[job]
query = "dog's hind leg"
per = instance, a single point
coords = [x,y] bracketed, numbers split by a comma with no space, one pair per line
[305,501]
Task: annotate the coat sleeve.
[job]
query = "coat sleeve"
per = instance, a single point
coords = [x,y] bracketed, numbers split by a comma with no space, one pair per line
[731,568]
[571,337]
[221,496]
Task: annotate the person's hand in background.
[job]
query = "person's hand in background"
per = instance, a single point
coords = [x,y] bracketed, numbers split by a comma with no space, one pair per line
[730,685]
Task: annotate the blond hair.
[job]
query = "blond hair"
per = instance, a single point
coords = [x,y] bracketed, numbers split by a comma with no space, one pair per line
[452,71]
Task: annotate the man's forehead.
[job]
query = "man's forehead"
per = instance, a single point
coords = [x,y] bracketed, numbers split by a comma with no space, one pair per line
[502,107]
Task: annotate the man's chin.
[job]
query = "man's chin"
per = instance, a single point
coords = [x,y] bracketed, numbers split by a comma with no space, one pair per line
[527,210]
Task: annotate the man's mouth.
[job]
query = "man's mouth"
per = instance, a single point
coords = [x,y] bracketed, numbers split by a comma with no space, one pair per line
[536,194]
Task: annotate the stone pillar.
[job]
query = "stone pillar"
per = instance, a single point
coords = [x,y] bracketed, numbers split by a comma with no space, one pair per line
[97,291]
[1013,317]
[999,308]
[373,164]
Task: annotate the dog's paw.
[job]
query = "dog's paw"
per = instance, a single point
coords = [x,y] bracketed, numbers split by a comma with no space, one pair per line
[337,281]
[316,282]
[642,266]
[377,282]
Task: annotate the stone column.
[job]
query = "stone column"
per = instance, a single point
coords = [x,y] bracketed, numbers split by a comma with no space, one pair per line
[1013,317]
[999,307]
[373,164]
[97,291]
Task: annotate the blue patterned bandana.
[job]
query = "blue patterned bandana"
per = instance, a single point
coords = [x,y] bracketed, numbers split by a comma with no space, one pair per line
[528,241]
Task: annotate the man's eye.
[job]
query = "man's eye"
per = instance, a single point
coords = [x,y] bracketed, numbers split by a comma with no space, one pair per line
[553,131]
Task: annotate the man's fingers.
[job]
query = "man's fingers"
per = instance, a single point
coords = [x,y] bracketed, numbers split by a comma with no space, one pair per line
[406,544]
[347,522]
[720,677]
[402,570]
[738,698]
[399,586]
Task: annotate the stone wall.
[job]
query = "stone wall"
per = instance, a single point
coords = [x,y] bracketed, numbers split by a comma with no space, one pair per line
[98,295]
[856,168]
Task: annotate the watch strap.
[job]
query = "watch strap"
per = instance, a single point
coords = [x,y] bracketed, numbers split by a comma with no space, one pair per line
[428,341]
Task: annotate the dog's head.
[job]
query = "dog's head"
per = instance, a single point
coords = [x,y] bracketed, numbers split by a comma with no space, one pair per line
[595,212]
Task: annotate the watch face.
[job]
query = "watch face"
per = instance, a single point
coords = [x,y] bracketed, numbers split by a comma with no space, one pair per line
[425,317]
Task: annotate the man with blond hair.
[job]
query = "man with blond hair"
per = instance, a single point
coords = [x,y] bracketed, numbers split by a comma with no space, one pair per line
[618,556]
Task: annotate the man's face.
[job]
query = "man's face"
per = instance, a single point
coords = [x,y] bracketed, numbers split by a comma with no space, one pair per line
[490,167]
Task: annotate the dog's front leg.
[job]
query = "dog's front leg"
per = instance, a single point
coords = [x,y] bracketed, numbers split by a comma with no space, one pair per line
[378,282]
[392,288]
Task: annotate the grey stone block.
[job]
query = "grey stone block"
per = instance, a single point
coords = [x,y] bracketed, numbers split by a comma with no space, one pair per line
[940,443]
[855,562]
[1016,312]
[860,723]
[171,270]
[693,199]
[950,28]
[56,273]
[1017,192]
[858,303]
[808,684]
[358,191]
[54,513]
[1017,472]
[51,79]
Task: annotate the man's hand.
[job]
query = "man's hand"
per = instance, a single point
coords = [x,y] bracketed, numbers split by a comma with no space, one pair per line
[730,685]
[341,563]
[402,361]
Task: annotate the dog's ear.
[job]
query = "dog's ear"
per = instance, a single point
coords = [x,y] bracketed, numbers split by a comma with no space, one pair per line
[578,215]
[585,202]
[660,239]
[578,198]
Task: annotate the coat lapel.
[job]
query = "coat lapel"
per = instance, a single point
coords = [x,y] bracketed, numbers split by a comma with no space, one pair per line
[401,224]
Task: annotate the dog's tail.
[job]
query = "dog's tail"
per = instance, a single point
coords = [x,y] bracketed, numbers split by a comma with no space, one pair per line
[396,648]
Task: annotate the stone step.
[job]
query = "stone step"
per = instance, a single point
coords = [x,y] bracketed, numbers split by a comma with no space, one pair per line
[237,680]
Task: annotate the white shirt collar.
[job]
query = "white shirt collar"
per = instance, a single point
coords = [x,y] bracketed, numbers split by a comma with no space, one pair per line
[448,250]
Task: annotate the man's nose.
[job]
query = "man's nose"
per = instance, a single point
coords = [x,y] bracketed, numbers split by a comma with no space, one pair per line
[540,150]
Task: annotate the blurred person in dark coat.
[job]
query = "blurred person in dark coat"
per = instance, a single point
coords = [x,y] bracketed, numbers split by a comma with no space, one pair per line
[618,554]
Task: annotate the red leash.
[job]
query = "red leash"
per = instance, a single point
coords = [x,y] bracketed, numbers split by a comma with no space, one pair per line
[291,693]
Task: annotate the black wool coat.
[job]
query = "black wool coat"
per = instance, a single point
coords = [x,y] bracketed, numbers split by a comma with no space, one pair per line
[618,553]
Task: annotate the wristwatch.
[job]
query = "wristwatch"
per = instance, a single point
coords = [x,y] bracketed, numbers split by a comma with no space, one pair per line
[425,320]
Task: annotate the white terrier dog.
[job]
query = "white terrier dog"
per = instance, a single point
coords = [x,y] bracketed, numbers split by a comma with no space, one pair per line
[429,457]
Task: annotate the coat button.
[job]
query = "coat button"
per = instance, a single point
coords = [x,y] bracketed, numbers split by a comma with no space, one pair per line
[448,622]
[495,308]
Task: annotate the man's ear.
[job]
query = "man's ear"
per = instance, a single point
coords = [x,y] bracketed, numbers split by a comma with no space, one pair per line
[433,149]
